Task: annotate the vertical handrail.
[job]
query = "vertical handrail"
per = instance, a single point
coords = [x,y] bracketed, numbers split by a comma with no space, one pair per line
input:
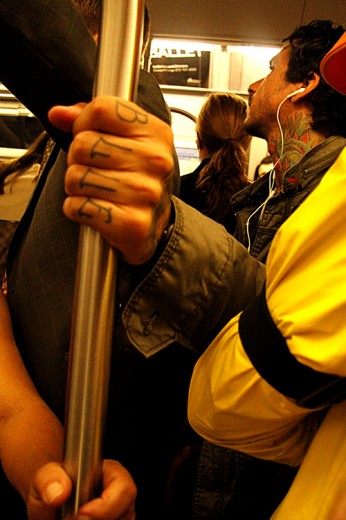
[95,285]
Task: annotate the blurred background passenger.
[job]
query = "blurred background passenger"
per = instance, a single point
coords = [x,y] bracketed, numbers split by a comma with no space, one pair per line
[222,143]
[18,178]
[18,131]
[265,166]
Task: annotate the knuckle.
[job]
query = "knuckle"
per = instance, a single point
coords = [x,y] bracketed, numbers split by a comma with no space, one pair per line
[77,148]
[163,163]
[145,194]
[67,207]
[70,179]
[98,106]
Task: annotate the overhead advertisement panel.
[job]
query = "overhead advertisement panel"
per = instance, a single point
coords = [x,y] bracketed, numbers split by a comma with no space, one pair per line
[180,67]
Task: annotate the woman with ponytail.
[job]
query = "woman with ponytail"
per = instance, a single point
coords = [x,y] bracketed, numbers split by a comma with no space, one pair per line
[222,143]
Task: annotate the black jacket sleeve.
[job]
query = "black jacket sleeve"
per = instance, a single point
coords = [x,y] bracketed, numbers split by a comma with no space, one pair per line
[48,57]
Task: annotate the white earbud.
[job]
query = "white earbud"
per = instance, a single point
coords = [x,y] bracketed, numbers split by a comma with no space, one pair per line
[301,89]
[272,173]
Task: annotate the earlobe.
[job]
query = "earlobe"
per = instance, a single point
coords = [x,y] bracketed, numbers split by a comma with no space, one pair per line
[309,85]
[312,82]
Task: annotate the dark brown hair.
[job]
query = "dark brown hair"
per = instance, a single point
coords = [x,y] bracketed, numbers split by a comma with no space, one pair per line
[220,129]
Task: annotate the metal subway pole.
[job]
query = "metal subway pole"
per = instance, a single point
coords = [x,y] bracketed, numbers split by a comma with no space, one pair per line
[94,299]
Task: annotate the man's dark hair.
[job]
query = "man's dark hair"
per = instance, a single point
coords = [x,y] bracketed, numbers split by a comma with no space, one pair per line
[309,43]
[90,11]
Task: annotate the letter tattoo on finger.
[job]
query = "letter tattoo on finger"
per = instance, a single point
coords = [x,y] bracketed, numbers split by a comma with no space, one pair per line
[89,205]
[103,148]
[129,114]
[101,182]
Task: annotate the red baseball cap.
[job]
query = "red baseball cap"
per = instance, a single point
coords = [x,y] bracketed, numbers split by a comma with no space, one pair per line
[333,66]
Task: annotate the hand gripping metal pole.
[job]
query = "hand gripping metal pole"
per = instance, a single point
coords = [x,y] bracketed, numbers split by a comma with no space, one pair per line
[94,298]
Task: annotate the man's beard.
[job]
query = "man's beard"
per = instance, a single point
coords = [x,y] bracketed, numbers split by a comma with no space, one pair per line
[254,128]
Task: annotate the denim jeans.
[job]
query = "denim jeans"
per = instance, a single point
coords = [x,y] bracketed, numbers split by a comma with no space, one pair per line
[233,486]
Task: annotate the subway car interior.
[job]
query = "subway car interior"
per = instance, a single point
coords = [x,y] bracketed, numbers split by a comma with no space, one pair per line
[196,48]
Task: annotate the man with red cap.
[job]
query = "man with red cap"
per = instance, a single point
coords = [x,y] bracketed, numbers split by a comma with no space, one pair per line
[333,66]
[320,486]
[294,369]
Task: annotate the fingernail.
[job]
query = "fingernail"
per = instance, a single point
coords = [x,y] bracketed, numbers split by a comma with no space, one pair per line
[53,491]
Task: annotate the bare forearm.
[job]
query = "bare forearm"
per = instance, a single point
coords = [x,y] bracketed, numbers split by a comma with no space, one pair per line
[28,440]
[30,434]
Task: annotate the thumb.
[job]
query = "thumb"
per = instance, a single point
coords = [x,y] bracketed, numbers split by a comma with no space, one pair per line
[51,488]
[63,117]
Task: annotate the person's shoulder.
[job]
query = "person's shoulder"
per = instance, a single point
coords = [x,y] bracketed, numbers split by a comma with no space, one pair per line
[187,186]
[150,96]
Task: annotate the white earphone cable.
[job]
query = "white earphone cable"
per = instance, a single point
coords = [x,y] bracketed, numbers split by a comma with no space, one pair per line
[271,177]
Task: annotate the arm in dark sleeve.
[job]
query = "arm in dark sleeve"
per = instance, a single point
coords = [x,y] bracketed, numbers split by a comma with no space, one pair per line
[203,278]
[48,57]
